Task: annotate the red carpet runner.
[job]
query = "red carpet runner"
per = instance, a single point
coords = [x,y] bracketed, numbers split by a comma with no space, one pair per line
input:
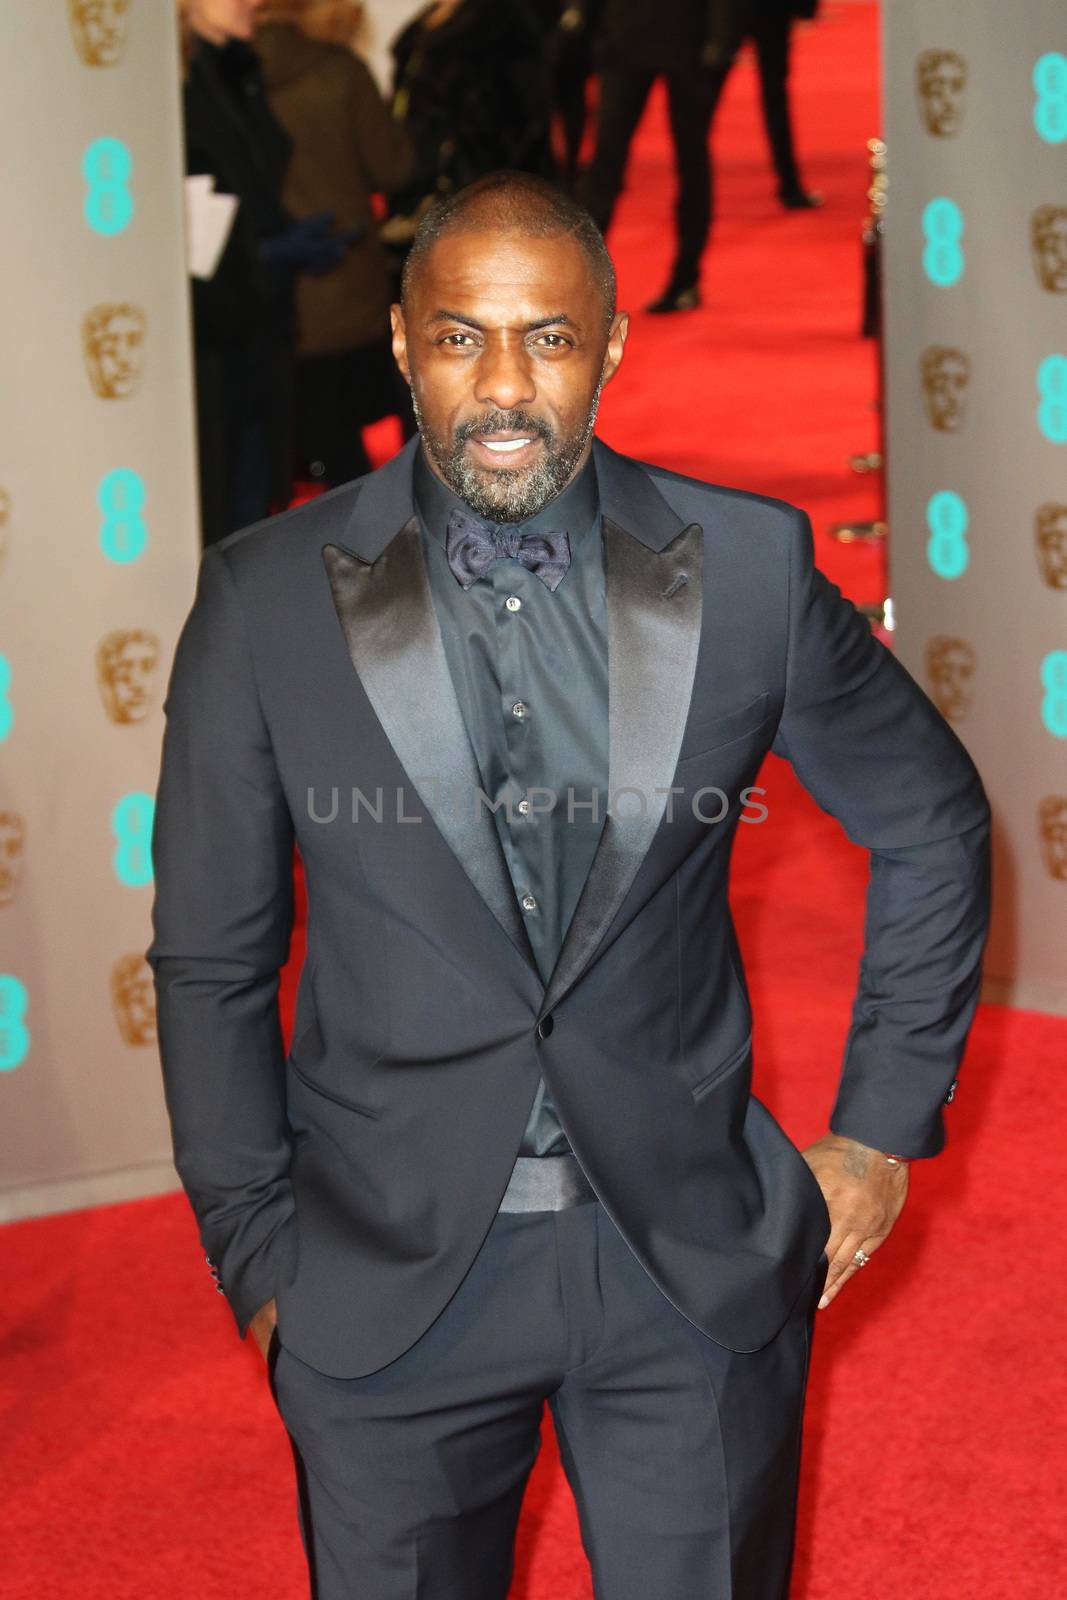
[141,1458]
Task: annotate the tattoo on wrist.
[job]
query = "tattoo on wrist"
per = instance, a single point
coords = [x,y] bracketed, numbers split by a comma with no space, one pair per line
[856,1161]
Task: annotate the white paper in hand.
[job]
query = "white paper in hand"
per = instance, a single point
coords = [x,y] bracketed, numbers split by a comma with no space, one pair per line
[208,220]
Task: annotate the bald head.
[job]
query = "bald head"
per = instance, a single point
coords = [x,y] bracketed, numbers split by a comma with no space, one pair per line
[513,203]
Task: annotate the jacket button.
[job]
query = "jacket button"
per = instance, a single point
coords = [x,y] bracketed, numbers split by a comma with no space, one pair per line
[545,1026]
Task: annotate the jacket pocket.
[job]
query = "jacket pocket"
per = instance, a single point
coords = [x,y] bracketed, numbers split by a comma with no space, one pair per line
[699,1089]
[331,1094]
[702,737]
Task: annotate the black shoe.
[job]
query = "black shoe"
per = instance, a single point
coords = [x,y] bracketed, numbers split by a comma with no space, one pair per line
[800,199]
[676,300]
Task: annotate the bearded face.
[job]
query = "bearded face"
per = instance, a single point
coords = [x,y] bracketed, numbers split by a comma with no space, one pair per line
[99,29]
[1052,828]
[941,77]
[133,999]
[946,374]
[1050,532]
[113,339]
[950,666]
[125,669]
[12,843]
[1048,233]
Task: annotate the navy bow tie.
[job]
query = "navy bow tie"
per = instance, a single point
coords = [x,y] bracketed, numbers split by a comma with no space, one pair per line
[473,546]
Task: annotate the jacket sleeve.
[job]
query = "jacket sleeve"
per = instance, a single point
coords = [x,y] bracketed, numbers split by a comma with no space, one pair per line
[223,859]
[875,752]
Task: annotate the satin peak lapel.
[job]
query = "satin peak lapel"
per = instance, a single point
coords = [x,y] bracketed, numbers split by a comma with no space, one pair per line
[391,629]
[654,605]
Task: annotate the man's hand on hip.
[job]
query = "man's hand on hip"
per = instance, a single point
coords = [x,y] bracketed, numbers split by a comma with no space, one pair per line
[262,1326]
[865,1193]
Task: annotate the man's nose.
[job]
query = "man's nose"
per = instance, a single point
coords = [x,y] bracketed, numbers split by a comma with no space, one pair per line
[504,377]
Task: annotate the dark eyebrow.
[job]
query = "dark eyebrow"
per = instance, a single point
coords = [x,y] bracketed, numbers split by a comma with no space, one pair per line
[562,320]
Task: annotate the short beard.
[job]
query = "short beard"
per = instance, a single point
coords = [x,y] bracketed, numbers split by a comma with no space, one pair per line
[507,494]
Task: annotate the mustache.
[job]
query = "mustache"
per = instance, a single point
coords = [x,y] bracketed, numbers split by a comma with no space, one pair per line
[504,422]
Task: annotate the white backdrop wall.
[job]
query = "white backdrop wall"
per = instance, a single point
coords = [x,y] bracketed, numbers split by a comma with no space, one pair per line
[976,351]
[384,20]
[98,521]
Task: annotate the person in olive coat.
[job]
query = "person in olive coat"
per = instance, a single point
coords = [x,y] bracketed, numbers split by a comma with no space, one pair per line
[345,147]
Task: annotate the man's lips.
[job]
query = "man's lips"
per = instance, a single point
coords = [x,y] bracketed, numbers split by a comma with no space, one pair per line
[512,449]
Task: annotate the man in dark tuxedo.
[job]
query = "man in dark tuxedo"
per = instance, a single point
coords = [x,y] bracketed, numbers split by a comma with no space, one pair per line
[508,695]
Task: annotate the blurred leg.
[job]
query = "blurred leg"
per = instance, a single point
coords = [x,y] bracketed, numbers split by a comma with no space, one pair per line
[623,95]
[692,97]
[771,32]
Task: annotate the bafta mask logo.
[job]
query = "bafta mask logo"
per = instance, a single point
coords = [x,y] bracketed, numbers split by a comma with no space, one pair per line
[12,844]
[99,29]
[1052,826]
[112,342]
[126,673]
[942,78]
[1048,238]
[946,374]
[950,667]
[1050,532]
[134,999]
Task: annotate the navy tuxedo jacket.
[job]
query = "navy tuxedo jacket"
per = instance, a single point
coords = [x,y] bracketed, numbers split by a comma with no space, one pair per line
[355,1179]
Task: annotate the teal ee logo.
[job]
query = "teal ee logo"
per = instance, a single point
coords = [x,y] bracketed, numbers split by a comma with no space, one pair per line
[7,710]
[1050,106]
[106,168]
[943,253]
[1052,406]
[131,824]
[1054,683]
[121,497]
[946,548]
[14,1034]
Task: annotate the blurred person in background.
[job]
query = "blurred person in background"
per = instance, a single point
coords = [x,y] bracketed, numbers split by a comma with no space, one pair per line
[769,25]
[345,147]
[693,45]
[242,314]
[472,82]
[570,57]
[638,42]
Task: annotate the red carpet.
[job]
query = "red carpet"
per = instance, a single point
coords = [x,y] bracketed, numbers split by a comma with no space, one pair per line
[141,1456]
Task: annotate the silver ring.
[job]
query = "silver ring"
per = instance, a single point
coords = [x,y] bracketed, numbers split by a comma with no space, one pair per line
[861,1258]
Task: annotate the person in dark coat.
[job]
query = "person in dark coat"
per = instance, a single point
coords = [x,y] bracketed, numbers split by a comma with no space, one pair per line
[769,24]
[572,34]
[693,45]
[472,83]
[242,314]
[640,41]
[345,147]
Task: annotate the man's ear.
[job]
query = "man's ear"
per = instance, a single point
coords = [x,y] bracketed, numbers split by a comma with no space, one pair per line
[400,341]
[617,337]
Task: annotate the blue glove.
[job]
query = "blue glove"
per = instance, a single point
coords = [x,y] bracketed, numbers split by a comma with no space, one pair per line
[309,246]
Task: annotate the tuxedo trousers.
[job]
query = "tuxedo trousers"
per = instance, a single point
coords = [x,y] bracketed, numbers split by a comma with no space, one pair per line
[682,1456]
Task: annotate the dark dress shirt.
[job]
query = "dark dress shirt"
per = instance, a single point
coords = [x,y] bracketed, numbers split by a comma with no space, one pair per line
[530,670]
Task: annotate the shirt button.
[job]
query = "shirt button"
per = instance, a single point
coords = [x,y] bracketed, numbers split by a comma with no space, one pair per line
[524,806]
[519,709]
[529,903]
[513,602]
